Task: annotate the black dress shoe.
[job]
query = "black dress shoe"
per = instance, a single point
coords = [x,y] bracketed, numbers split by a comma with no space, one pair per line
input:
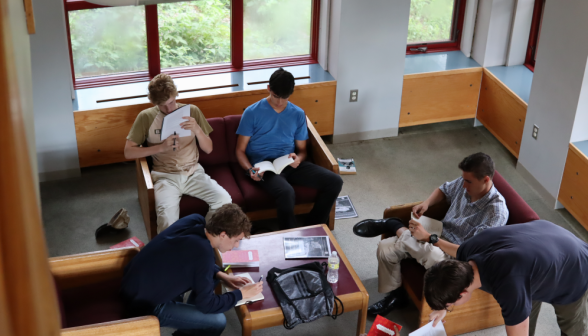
[374,227]
[396,299]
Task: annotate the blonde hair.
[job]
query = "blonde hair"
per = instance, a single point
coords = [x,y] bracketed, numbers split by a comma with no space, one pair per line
[162,88]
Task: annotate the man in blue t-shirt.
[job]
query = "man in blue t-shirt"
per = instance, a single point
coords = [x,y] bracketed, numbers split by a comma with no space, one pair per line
[271,128]
[521,265]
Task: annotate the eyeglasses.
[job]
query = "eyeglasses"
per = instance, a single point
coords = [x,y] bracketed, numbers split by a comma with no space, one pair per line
[451,308]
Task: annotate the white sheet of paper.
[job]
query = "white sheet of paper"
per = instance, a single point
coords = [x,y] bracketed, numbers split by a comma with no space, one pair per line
[265,166]
[253,299]
[172,121]
[432,226]
[429,330]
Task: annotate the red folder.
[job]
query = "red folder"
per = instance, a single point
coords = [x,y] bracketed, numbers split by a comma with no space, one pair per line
[128,243]
[383,327]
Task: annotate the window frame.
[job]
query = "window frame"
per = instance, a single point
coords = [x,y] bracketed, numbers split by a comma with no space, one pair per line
[456,28]
[536,22]
[154,59]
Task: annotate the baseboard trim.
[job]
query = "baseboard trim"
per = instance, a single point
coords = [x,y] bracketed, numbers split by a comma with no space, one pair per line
[59,175]
[539,188]
[367,135]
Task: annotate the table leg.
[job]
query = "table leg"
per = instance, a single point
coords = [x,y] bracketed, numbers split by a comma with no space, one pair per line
[246,327]
[362,315]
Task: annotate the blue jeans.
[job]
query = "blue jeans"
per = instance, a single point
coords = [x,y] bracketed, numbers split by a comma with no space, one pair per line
[185,317]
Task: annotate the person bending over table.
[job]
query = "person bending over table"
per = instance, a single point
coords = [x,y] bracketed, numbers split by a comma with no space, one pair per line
[176,170]
[475,205]
[522,266]
[274,127]
[182,258]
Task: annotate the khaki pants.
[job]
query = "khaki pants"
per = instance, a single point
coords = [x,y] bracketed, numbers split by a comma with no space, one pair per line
[392,250]
[169,189]
[572,318]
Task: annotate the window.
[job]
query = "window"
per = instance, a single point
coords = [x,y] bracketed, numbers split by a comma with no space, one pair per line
[534,35]
[117,45]
[434,25]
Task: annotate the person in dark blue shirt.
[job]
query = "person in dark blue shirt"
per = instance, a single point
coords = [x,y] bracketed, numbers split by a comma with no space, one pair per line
[182,258]
[274,127]
[521,265]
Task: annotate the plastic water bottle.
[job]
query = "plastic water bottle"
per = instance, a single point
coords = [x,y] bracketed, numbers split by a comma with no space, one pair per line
[333,275]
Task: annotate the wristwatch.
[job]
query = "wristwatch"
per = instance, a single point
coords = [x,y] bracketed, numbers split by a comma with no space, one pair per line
[433,239]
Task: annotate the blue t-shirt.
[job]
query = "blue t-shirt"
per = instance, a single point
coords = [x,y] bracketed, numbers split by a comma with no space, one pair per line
[272,134]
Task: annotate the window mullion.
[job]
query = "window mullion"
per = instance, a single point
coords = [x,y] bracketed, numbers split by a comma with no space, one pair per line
[153,57]
[237,34]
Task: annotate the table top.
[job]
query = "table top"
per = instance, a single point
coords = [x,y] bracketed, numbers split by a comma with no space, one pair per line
[441,61]
[518,78]
[271,254]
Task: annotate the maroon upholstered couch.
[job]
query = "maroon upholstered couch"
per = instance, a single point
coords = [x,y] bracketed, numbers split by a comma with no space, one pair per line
[222,165]
[482,311]
[87,287]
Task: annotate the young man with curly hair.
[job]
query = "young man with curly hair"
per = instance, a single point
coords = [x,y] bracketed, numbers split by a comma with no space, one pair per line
[182,258]
[176,170]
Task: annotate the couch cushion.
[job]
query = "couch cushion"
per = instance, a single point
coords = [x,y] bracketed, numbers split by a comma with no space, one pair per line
[95,303]
[221,173]
[231,125]
[219,152]
[519,210]
[256,198]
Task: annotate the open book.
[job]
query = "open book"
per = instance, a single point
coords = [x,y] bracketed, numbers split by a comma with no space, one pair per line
[257,297]
[432,226]
[277,166]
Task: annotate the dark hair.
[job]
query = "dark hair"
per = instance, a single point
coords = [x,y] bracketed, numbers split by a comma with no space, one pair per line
[282,83]
[445,281]
[480,164]
[230,219]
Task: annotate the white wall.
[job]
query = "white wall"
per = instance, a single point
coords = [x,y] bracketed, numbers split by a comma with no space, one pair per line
[56,144]
[323,49]
[521,28]
[370,58]
[492,33]
[469,22]
[580,129]
[334,30]
[555,94]
[22,60]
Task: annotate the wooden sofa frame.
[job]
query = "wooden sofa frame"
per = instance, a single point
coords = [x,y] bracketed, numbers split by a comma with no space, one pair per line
[318,151]
[481,312]
[88,268]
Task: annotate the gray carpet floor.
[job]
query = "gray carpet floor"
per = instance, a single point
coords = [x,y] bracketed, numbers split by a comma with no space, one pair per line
[391,171]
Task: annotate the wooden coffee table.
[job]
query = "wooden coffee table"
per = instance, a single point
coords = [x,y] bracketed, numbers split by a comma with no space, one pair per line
[267,313]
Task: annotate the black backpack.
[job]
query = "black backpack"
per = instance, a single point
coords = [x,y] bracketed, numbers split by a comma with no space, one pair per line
[304,293]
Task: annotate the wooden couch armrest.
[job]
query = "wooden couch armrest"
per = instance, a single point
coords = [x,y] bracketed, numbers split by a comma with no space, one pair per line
[321,155]
[146,197]
[139,326]
[87,268]
[403,212]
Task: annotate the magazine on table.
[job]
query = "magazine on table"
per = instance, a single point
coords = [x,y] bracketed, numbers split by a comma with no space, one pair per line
[347,166]
[310,247]
[344,208]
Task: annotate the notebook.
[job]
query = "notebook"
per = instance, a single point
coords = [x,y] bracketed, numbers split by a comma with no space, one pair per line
[432,226]
[241,258]
[171,123]
[131,242]
[257,297]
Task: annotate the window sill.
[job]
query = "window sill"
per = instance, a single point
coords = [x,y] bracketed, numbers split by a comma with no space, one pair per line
[517,78]
[196,86]
[440,61]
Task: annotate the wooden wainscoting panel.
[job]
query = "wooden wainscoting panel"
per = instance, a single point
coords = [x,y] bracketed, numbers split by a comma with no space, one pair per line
[502,112]
[101,133]
[440,96]
[573,193]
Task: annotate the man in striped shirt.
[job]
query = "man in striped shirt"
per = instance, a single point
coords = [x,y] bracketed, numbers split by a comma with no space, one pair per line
[475,205]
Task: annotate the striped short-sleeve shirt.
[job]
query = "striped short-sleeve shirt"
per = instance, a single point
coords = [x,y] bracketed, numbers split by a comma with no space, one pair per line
[465,219]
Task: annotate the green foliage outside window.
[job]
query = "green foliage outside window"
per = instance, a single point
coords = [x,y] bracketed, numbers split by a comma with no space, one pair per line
[108,40]
[195,32]
[430,20]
